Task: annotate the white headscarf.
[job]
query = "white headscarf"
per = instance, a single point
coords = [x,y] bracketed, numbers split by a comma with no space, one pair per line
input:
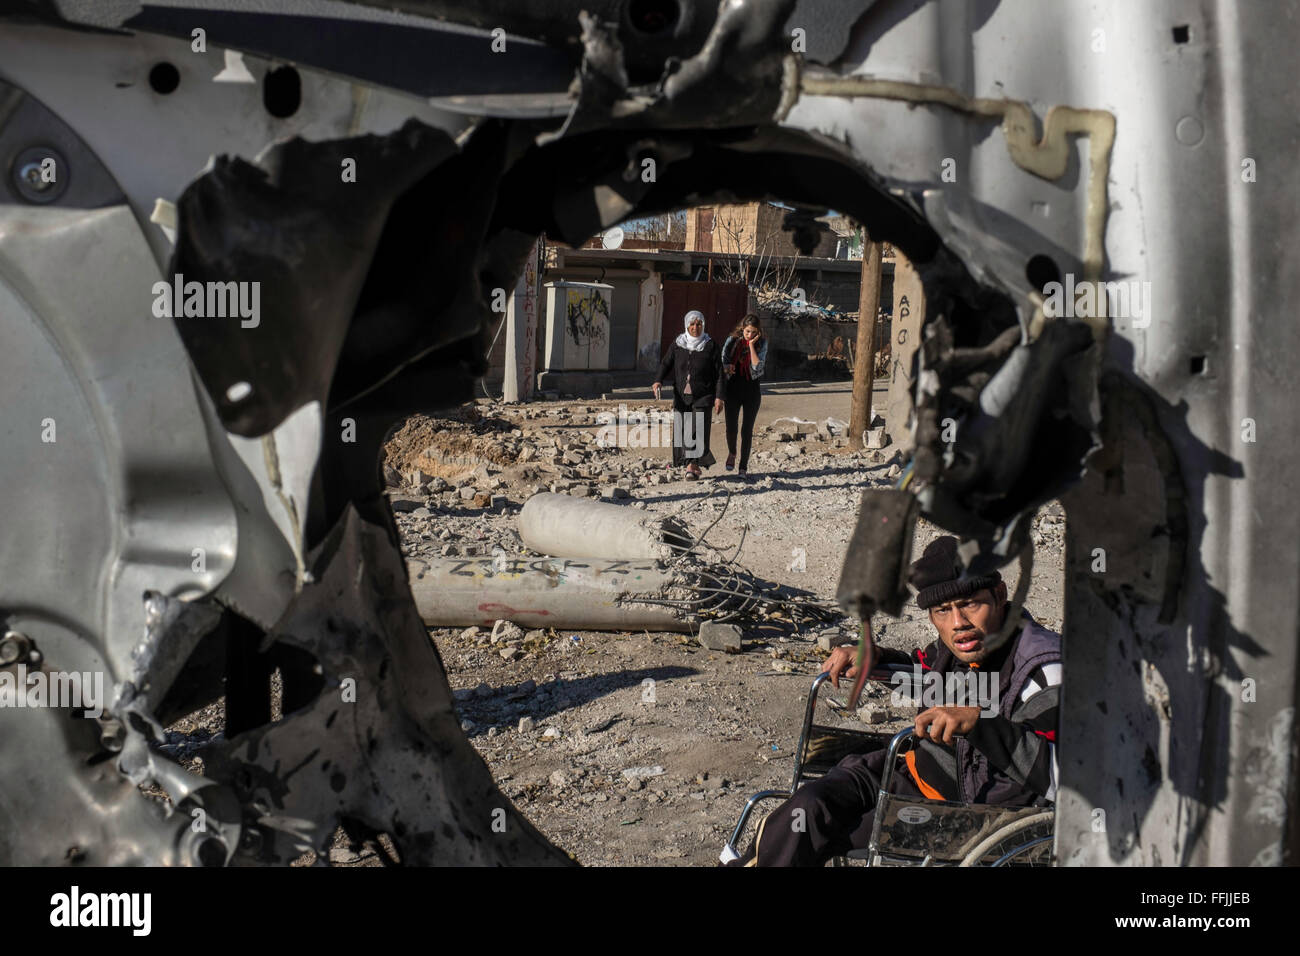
[693,342]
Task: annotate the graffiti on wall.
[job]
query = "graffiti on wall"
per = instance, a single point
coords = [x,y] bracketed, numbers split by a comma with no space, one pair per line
[586,317]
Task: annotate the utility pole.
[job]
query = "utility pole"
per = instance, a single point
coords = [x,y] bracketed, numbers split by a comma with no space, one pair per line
[864,366]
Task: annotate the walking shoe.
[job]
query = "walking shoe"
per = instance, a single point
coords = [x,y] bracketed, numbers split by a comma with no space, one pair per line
[731,462]
[744,474]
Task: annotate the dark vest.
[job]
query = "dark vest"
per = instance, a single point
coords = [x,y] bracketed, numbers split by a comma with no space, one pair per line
[1034,646]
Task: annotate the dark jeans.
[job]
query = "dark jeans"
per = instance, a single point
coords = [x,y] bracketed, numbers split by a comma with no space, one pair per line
[837,814]
[746,394]
[693,416]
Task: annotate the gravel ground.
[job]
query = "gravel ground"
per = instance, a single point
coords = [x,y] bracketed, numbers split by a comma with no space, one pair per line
[609,771]
[635,749]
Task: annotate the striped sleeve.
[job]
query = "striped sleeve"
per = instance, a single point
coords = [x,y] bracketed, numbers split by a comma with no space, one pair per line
[1024,747]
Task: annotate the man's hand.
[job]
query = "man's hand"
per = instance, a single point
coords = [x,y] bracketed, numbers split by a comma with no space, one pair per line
[717,405]
[655,388]
[843,657]
[941,724]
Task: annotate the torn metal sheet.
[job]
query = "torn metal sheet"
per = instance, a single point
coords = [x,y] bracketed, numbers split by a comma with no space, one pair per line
[280,352]
[372,302]
[383,692]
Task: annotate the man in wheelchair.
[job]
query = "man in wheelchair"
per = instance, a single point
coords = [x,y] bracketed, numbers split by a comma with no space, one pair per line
[1002,752]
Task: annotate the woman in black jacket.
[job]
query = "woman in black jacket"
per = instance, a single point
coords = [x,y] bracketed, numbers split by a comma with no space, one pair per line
[694,361]
[744,359]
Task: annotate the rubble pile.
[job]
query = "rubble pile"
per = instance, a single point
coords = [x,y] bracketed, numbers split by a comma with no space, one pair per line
[449,478]
[490,455]
[639,747]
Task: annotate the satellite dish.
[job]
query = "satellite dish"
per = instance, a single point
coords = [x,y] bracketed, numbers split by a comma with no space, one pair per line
[613,238]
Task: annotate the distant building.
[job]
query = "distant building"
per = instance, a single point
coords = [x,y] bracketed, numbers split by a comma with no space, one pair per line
[750,229]
[807,302]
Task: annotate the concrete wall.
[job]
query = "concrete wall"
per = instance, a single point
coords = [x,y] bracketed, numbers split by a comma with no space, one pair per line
[807,334]
[495,376]
[838,289]
[811,335]
[648,324]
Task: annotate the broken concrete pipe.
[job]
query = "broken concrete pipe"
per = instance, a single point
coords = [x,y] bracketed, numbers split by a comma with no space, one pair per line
[585,594]
[567,527]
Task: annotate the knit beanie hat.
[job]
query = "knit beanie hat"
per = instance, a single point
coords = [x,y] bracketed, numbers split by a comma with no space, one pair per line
[938,575]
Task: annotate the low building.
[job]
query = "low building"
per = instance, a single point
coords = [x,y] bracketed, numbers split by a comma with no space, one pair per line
[805,302]
[751,229]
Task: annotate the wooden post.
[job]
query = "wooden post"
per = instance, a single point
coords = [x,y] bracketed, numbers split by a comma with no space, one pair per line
[865,360]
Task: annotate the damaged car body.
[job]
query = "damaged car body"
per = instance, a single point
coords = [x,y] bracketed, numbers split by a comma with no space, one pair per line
[194,500]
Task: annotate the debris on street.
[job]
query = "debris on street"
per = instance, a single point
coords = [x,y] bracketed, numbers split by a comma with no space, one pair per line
[638,744]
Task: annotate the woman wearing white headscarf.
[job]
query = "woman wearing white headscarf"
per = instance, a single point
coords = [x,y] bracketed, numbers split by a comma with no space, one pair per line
[695,361]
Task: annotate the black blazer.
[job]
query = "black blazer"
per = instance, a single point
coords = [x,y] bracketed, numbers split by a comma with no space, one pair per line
[704,368]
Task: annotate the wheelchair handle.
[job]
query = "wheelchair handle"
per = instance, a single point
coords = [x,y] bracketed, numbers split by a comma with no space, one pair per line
[887,773]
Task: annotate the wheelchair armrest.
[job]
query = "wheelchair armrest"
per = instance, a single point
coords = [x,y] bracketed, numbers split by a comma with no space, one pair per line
[883,673]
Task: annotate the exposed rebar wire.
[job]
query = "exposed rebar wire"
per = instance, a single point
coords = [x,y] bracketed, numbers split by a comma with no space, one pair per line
[726,591]
[723,592]
[744,530]
[698,541]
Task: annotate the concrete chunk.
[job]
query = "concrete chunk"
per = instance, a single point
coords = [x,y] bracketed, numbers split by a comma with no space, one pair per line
[873,714]
[831,640]
[506,631]
[403,505]
[720,637]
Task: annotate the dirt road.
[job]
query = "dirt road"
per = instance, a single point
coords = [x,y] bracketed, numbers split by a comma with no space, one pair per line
[616,770]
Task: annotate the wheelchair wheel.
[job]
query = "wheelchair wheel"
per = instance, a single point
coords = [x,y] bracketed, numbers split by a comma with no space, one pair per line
[1023,842]
[1037,852]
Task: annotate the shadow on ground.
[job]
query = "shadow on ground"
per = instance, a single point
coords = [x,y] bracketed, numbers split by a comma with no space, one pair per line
[544,699]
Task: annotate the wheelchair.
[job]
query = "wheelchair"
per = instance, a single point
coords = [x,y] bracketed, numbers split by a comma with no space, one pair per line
[910,831]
